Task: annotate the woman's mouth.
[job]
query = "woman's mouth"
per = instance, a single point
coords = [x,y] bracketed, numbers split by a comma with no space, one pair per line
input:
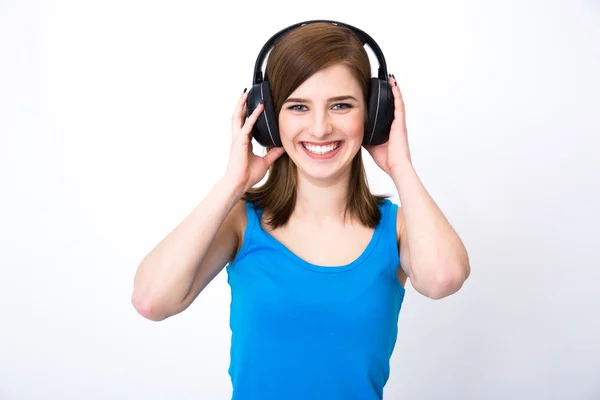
[321,150]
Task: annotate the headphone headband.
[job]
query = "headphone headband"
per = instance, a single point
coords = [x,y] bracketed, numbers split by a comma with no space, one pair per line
[361,35]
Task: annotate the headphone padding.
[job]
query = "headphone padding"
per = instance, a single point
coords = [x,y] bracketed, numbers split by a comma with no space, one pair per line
[265,130]
[381,112]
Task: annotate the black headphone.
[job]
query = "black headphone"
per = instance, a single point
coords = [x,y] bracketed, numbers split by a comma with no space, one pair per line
[380,105]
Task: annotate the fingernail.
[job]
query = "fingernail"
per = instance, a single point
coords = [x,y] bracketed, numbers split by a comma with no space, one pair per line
[245,90]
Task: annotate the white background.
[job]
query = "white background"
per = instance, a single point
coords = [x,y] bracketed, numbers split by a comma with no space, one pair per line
[114,123]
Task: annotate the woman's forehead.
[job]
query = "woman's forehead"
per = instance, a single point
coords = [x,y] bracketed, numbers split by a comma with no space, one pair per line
[334,81]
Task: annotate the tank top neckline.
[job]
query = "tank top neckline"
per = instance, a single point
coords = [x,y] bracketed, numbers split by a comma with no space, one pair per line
[323,268]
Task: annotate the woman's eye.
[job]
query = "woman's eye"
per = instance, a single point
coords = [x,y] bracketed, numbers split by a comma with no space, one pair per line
[341,106]
[344,106]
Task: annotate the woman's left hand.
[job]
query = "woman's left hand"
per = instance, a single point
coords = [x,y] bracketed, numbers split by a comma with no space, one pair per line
[393,154]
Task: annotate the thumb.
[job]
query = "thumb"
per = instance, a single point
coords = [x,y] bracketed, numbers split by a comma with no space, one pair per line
[273,155]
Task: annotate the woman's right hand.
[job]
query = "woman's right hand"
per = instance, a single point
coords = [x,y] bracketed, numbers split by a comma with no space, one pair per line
[245,169]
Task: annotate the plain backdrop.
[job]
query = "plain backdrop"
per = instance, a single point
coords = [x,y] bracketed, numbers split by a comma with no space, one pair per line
[115,122]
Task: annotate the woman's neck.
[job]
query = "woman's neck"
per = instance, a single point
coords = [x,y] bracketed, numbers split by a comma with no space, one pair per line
[318,202]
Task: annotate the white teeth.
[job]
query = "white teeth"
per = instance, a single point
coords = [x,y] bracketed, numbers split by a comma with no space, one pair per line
[321,149]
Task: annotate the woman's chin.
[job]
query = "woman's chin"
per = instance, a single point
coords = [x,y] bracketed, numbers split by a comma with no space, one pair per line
[324,173]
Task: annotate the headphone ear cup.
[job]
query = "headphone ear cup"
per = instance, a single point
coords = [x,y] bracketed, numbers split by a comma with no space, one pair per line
[265,130]
[380,112]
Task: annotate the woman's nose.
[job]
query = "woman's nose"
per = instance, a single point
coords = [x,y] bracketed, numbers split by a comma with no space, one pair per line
[321,125]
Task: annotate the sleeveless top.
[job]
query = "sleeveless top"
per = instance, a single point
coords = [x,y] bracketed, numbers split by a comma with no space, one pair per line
[301,331]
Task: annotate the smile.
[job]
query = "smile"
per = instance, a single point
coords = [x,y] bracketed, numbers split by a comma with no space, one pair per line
[322,149]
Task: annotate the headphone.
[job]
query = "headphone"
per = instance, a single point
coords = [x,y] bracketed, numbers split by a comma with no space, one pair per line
[380,105]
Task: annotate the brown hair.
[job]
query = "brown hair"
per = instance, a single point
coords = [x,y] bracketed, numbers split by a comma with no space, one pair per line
[293,59]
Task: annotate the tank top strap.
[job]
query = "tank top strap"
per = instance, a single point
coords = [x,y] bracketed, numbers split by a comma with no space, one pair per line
[389,212]
[252,226]
[253,214]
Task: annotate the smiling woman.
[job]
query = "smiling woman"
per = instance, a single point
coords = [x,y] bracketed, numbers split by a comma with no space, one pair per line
[310,71]
[322,130]
[316,263]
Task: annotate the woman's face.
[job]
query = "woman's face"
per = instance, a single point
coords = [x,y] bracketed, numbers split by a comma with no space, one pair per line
[322,123]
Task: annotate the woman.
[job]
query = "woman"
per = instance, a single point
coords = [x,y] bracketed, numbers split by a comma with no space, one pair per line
[316,263]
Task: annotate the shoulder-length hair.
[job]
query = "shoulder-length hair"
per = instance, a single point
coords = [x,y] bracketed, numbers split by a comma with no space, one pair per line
[294,58]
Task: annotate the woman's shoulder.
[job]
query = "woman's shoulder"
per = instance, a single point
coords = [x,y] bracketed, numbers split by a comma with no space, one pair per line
[394,212]
[238,216]
[245,214]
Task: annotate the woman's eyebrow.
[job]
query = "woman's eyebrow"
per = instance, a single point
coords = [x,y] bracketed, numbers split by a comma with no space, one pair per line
[337,98]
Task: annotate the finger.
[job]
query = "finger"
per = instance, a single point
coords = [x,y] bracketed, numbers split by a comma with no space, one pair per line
[273,155]
[398,100]
[252,118]
[240,110]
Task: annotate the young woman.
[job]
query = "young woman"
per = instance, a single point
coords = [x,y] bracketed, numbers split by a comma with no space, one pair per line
[316,263]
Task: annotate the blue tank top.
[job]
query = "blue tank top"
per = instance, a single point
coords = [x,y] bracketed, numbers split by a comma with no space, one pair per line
[301,331]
